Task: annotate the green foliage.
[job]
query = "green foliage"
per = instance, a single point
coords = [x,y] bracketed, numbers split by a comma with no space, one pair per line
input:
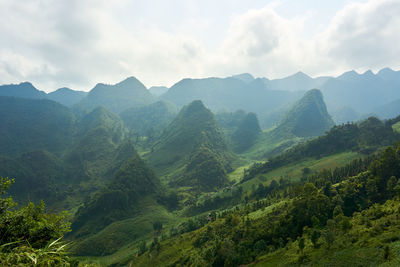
[365,137]
[53,254]
[340,217]
[27,234]
[119,200]
[205,170]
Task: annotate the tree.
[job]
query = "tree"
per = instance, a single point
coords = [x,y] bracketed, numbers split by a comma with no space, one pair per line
[141,247]
[157,226]
[301,245]
[315,235]
[329,234]
[28,235]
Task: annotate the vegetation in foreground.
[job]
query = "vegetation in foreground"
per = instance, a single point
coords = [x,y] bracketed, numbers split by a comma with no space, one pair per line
[345,217]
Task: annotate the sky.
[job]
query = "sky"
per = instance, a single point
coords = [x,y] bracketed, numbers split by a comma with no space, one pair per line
[79,43]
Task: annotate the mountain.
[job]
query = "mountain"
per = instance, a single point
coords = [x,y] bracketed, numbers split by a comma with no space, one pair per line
[39,175]
[117,200]
[126,94]
[388,110]
[296,82]
[388,74]
[245,77]
[362,92]
[344,114]
[247,132]
[158,90]
[25,90]
[151,118]
[28,125]
[308,117]
[193,128]
[229,94]
[66,96]
[230,120]
[100,136]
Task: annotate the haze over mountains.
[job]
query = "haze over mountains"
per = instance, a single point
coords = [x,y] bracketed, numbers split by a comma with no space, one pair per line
[348,97]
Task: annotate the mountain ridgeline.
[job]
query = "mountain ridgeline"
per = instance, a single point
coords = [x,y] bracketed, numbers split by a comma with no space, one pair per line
[121,96]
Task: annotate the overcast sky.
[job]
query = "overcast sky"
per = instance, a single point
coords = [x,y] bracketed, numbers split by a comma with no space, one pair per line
[78,43]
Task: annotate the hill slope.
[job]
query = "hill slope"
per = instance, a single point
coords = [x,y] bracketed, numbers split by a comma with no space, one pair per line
[100,138]
[308,117]
[194,127]
[27,125]
[151,118]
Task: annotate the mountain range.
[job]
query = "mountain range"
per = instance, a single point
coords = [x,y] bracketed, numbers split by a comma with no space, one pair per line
[211,172]
[349,97]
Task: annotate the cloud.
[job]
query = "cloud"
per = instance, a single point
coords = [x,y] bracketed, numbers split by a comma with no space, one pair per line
[363,35]
[262,42]
[79,43]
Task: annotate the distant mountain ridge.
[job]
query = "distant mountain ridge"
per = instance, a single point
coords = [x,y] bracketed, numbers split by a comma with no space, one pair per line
[25,90]
[349,96]
[230,94]
[66,96]
[118,97]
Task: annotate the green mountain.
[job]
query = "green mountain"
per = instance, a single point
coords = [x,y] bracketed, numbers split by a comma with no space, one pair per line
[193,128]
[27,125]
[364,137]
[116,201]
[25,90]
[151,118]
[100,135]
[247,133]
[101,224]
[66,96]
[38,175]
[308,117]
[126,94]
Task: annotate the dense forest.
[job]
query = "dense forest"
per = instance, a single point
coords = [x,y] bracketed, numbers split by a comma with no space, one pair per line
[209,172]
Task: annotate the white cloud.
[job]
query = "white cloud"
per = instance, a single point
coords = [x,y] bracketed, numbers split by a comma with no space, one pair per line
[262,42]
[363,36]
[79,43]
